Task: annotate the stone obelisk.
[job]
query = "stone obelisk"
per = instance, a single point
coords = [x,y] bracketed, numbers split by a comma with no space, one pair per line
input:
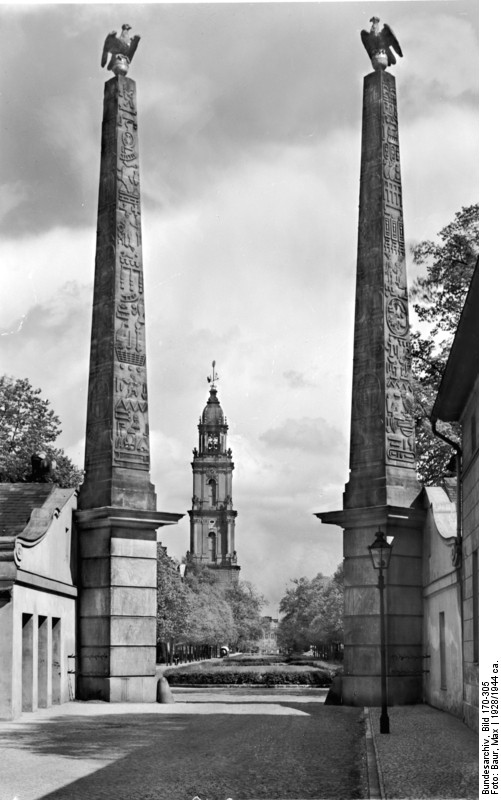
[382,492]
[117,517]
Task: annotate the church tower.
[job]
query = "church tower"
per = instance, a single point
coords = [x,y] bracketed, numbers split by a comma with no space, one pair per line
[212,517]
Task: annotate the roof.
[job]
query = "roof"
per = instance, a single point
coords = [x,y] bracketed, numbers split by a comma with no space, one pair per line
[444,511]
[213,413]
[17,501]
[28,508]
[461,370]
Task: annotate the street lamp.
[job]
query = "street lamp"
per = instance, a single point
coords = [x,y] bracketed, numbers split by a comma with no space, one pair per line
[380,551]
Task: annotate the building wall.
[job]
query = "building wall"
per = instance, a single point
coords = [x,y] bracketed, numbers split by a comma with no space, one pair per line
[37,630]
[6,658]
[442,635]
[38,620]
[470,491]
[51,557]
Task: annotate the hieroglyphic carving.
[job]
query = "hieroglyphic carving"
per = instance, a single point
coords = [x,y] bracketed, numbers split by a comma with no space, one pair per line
[396,316]
[382,419]
[131,430]
[367,435]
[399,421]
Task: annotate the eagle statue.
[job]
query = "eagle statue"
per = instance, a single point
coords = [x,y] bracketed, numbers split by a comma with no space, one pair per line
[121,48]
[379,44]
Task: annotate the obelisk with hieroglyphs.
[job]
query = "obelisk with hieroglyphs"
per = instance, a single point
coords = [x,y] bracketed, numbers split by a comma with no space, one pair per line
[382,491]
[117,517]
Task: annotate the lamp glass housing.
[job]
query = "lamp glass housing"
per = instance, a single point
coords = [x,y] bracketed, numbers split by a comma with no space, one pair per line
[380,551]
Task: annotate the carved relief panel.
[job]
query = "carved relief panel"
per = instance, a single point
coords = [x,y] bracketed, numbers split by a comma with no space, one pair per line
[399,420]
[382,419]
[118,354]
[131,430]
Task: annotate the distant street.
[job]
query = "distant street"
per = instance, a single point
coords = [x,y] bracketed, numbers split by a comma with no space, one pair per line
[212,743]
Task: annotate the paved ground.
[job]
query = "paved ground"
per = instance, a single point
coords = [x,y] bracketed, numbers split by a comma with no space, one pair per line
[238,744]
[427,754]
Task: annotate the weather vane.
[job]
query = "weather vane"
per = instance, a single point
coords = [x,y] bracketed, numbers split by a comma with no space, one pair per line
[215,377]
[121,48]
[378,44]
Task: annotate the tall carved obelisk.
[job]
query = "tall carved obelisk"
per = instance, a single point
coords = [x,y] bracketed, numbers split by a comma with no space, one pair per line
[117,517]
[382,492]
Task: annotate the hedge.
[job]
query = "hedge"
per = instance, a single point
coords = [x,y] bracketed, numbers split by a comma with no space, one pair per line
[269,677]
[253,662]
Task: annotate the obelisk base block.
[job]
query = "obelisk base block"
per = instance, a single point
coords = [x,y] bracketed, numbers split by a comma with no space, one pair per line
[366,691]
[118,603]
[402,599]
[137,689]
[118,490]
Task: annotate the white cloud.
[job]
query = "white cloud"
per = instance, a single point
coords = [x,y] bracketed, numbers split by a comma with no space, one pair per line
[35,268]
[296,380]
[311,435]
[249,138]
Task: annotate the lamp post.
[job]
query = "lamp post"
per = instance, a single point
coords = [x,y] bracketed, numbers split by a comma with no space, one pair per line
[380,551]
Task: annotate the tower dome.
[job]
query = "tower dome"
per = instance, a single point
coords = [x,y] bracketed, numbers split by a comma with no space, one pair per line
[213,413]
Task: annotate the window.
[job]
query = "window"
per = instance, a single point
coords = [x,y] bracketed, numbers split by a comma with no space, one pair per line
[213,490]
[212,546]
[213,442]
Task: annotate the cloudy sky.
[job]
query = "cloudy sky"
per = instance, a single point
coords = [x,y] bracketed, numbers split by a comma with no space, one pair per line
[249,134]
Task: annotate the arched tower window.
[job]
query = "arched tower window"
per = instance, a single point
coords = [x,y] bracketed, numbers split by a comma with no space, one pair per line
[212,546]
[213,491]
[213,442]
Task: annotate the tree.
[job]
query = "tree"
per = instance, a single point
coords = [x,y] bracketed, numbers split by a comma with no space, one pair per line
[210,620]
[174,602]
[27,426]
[246,607]
[201,611]
[312,613]
[439,297]
[292,631]
[326,624]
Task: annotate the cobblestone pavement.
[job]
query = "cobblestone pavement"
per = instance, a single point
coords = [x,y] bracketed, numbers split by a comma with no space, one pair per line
[427,754]
[240,744]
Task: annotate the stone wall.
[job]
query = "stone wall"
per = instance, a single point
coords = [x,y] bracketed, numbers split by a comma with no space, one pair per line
[470,491]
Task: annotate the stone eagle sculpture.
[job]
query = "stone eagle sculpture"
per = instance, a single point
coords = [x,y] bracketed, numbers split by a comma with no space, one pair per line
[121,48]
[379,44]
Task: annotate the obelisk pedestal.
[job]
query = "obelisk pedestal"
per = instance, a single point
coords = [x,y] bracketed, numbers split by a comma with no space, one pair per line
[382,492]
[117,517]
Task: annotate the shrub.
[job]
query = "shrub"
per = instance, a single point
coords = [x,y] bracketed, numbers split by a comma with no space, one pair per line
[270,676]
[248,661]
